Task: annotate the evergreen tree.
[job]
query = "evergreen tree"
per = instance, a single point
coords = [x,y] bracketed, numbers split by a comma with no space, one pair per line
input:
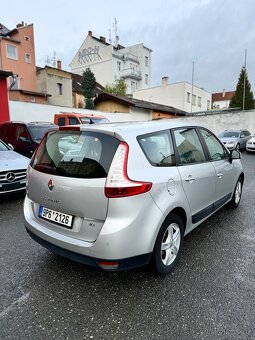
[237,99]
[118,88]
[88,84]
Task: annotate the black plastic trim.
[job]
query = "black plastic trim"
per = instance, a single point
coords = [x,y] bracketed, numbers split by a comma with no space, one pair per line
[124,264]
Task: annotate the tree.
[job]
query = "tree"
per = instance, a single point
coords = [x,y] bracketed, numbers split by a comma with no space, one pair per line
[237,99]
[88,84]
[118,88]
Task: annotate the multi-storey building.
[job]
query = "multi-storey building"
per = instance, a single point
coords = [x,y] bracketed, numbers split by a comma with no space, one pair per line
[183,96]
[17,55]
[111,62]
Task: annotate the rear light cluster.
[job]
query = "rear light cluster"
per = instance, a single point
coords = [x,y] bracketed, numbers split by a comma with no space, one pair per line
[118,184]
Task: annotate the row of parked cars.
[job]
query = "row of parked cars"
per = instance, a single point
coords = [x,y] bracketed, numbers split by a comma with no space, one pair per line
[118,196]
[238,139]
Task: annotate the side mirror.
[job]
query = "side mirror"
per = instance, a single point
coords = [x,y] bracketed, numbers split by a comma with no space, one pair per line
[234,154]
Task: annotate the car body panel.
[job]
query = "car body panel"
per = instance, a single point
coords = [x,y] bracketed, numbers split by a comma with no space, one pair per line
[250,145]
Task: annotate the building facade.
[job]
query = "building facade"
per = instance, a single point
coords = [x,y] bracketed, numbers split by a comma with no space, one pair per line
[17,55]
[57,83]
[183,96]
[111,62]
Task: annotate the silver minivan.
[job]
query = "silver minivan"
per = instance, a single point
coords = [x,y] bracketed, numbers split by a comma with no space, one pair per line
[121,195]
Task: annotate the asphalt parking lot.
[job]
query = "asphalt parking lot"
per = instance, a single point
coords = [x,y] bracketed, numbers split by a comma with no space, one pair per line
[210,295]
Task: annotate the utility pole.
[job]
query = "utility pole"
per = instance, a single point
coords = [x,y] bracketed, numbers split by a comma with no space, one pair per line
[192,81]
[244,77]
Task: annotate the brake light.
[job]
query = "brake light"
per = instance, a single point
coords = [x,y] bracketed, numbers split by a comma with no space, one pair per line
[118,184]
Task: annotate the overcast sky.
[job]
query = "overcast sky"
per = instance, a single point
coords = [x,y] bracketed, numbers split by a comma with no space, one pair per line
[212,33]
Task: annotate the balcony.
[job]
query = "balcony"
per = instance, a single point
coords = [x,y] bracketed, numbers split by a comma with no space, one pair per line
[131,57]
[131,73]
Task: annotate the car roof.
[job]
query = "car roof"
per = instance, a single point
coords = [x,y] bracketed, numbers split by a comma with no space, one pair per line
[138,128]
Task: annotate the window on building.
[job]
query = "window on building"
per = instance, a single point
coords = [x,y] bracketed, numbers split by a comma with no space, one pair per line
[12,52]
[133,86]
[146,61]
[146,79]
[194,99]
[118,65]
[28,58]
[32,99]
[199,101]
[188,97]
[27,38]
[13,83]
[60,88]
[208,104]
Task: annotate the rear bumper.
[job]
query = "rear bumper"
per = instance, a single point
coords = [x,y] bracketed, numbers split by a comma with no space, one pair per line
[124,264]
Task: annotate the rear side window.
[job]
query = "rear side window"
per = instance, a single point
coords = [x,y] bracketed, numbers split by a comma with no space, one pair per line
[158,148]
[76,154]
[188,146]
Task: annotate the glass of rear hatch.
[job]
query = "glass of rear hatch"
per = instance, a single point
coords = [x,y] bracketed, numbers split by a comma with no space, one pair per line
[75,153]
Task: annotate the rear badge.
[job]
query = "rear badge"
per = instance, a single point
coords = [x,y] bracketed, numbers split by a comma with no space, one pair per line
[50,185]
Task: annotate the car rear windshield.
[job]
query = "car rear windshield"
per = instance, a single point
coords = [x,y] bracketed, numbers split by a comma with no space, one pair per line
[79,154]
[37,132]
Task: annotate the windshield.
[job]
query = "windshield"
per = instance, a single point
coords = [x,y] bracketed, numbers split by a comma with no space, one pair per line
[37,132]
[94,120]
[72,153]
[3,147]
[230,134]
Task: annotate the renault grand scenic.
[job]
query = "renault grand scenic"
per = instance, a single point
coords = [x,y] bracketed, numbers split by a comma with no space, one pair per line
[118,196]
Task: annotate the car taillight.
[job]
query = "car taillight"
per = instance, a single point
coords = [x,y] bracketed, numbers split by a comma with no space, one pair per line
[118,184]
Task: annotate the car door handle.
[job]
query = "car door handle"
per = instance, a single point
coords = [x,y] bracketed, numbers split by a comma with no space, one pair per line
[220,175]
[190,179]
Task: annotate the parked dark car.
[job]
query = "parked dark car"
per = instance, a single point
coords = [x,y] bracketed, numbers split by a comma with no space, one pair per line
[24,137]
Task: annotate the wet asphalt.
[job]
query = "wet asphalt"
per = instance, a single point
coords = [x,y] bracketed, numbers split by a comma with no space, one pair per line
[210,295]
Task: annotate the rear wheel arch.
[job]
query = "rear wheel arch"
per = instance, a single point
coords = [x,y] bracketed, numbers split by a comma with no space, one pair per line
[181,213]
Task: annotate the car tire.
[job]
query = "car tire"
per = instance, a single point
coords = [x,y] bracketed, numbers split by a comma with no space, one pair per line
[236,198]
[168,245]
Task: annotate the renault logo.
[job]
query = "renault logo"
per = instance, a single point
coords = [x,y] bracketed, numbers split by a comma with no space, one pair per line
[10,177]
[50,185]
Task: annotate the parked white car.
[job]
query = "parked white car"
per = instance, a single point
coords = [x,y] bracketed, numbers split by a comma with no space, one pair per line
[250,145]
[13,167]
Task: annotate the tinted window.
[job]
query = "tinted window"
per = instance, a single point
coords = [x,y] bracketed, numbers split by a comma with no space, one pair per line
[216,150]
[158,148]
[73,121]
[37,132]
[61,121]
[75,154]
[23,134]
[188,146]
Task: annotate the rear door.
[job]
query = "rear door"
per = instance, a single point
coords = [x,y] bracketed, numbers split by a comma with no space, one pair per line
[197,174]
[224,169]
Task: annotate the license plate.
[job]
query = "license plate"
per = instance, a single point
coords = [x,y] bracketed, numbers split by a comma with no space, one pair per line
[56,216]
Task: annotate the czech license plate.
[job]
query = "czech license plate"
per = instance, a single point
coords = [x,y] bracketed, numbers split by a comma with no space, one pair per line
[56,217]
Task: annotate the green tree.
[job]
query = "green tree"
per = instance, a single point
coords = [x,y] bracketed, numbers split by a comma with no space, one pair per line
[88,84]
[118,88]
[237,99]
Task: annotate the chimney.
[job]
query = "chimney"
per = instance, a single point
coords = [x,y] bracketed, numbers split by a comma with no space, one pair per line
[59,66]
[102,39]
[90,33]
[21,24]
[164,81]
[223,93]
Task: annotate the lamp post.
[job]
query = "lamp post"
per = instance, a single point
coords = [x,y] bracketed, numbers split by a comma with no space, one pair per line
[244,77]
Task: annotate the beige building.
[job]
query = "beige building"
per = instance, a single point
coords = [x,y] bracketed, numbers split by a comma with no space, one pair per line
[55,82]
[183,96]
[110,62]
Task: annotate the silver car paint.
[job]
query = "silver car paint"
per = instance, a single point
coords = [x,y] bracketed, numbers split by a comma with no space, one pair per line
[114,229]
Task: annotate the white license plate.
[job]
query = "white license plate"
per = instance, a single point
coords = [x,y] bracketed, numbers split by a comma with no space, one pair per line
[56,216]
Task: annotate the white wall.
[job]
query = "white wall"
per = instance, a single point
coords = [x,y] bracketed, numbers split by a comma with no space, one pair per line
[27,112]
[216,122]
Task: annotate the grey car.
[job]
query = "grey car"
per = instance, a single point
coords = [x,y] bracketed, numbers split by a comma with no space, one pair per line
[13,167]
[235,139]
[125,194]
